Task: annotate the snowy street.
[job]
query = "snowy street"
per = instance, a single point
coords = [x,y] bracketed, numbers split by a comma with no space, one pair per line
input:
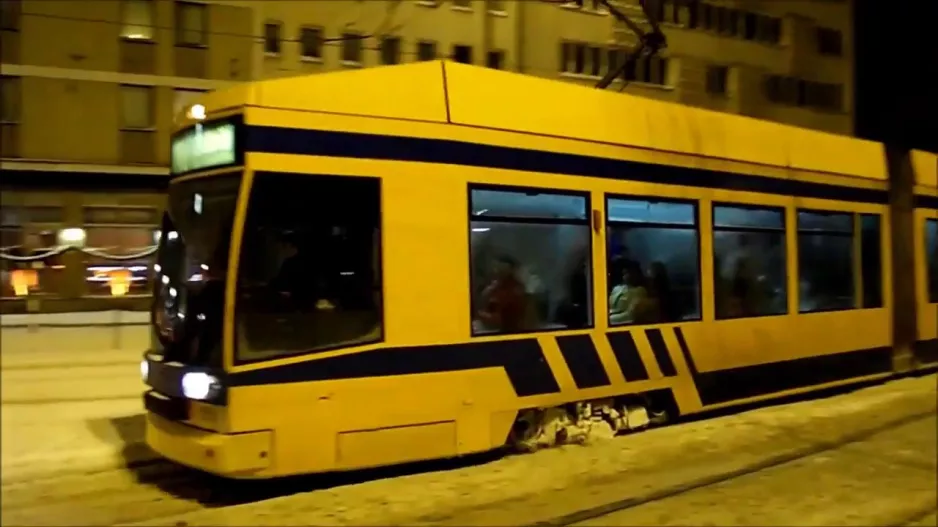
[68,470]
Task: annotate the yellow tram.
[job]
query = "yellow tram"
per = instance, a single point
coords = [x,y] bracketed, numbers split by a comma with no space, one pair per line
[430,260]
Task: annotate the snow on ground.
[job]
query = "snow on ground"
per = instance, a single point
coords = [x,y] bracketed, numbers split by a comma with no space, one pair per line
[741,438]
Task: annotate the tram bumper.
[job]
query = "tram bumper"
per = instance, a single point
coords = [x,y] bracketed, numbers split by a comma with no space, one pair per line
[243,455]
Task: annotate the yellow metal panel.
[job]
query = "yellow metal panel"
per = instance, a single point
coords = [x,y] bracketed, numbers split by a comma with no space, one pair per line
[925,165]
[508,101]
[413,92]
[837,154]
[226,454]
[369,448]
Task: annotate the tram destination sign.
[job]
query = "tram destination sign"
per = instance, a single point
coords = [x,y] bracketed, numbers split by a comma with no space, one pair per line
[204,146]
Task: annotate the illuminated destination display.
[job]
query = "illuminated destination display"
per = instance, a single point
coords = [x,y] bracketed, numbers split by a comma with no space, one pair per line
[204,146]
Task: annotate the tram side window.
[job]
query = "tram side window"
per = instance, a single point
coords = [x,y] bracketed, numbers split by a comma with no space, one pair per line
[931,252]
[871,260]
[654,261]
[825,261]
[749,261]
[309,277]
[529,261]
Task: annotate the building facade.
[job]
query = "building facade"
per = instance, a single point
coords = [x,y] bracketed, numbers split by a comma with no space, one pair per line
[88,94]
[789,61]
[89,90]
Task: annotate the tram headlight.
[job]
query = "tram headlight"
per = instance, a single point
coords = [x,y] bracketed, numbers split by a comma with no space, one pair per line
[144,369]
[199,385]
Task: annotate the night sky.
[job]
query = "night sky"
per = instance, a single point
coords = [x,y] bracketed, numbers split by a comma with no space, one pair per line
[897,72]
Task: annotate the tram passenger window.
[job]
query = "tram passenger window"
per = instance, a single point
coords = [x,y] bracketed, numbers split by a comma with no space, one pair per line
[653,261]
[749,261]
[309,277]
[931,253]
[871,260]
[530,261]
[825,261]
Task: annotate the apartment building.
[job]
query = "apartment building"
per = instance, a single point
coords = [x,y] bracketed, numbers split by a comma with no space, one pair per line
[88,92]
[785,61]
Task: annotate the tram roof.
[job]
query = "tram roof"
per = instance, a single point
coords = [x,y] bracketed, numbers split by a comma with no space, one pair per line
[453,93]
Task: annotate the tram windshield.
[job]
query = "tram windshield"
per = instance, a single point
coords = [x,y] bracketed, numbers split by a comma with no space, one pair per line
[192,262]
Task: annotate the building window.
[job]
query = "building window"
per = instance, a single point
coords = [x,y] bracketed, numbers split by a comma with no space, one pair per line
[137,23]
[495,59]
[462,4]
[10,13]
[124,232]
[653,253]
[352,48]
[426,50]
[136,107]
[462,53]
[707,21]
[183,99]
[749,261]
[614,58]
[529,261]
[654,70]
[291,297]
[191,24]
[770,30]
[931,253]
[573,58]
[272,38]
[825,261]
[495,6]
[25,232]
[717,79]
[829,42]
[390,50]
[871,260]
[10,99]
[750,26]
[311,43]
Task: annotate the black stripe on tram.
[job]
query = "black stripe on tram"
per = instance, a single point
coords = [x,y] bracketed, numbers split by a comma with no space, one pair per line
[763,379]
[926,202]
[685,351]
[522,359]
[626,353]
[660,349]
[276,140]
[582,359]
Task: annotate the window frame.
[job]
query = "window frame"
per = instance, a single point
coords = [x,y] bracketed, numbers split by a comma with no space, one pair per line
[696,227]
[150,24]
[179,7]
[320,33]
[236,358]
[273,47]
[587,221]
[12,86]
[151,110]
[784,232]
[862,293]
[852,235]
[390,47]
[431,44]
[928,285]
[346,39]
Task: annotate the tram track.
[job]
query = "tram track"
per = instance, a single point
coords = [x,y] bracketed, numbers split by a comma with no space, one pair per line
[161,493]
[584,515]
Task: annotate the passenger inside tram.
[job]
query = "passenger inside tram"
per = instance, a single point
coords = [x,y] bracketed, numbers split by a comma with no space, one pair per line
[504,301]
[629,301]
